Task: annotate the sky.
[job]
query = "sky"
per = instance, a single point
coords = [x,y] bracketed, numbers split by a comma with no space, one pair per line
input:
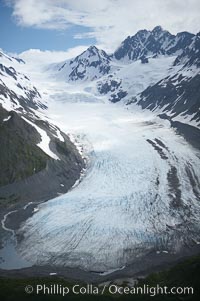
[67,27]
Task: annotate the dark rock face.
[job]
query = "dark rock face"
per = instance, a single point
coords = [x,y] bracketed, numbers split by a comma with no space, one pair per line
[118,96]
[191,54]
[113,87]
[108,86]
[151,43]
[176,94]
[144,60]
[182,40]
[131,48]
[9,71]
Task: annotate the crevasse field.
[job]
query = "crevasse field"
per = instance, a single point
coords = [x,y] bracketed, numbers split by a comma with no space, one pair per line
[137,194]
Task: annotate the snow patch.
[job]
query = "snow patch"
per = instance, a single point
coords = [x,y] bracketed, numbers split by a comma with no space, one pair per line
[45,140]
[6,119]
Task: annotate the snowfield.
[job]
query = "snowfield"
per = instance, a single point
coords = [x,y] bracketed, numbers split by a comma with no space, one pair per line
[140,191]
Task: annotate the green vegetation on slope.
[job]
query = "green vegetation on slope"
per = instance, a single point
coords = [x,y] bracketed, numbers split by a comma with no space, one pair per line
[20,157]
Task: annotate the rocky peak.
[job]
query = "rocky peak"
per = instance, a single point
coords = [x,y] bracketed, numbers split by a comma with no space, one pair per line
[191,52]
[151,43]
[89,65]
[157,31]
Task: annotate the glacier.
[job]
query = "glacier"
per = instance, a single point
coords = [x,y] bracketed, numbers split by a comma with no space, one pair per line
[140,191]
[136,195]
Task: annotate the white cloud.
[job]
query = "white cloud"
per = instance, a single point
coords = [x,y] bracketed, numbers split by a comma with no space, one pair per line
[38,57]
[109,21]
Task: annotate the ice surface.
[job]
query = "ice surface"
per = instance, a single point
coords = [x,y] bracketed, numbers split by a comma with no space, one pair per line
[123,207]
[130,200]
[136,76]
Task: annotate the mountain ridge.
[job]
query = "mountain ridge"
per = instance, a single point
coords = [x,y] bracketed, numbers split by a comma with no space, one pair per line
[152,43]
[121,77]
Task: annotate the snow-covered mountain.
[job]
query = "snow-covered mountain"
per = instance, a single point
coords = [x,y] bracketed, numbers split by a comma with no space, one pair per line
[155,69]
[178,94]
[16,90]
[90,65]
[152,43]
[190,55]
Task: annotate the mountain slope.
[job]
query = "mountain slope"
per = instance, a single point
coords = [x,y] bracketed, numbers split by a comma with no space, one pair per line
[35,156]
[20,156]
[90,65]
[152,43]
[191,54]
[131,79]
[16,90]
[179,93]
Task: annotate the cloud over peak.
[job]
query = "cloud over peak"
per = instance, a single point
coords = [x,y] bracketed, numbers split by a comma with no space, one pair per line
[108,21]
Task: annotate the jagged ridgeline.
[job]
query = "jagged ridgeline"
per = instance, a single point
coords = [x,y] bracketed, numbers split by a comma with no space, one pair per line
[155,69]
